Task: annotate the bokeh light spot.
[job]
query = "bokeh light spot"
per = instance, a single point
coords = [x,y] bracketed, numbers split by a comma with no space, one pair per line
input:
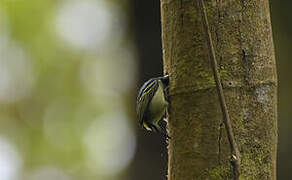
[110,144]
[16,72]
[10,161]
[85,24]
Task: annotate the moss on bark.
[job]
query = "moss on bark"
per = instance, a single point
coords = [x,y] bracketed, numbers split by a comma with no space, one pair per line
[242,35]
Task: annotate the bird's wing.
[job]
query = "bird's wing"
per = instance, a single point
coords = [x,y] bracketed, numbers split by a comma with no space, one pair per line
[144,100]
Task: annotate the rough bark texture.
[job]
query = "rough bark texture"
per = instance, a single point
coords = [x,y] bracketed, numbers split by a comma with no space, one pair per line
[242,35]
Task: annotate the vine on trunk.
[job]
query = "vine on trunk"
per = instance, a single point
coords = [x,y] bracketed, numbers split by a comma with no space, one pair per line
[235,154]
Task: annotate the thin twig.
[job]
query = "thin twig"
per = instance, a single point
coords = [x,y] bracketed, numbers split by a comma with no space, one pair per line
[235,156]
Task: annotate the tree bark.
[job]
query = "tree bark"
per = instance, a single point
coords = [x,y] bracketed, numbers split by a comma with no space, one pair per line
[242,36]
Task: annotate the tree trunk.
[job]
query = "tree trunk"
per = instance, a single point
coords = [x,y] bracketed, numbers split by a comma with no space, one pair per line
[242,36]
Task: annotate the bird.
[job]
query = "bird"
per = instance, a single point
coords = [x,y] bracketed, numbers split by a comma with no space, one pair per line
[152,103]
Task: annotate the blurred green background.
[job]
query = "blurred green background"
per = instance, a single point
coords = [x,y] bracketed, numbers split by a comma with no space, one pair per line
[69,74]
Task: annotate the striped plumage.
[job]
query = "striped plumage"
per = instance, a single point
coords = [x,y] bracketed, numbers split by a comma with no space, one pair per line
[152,103]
